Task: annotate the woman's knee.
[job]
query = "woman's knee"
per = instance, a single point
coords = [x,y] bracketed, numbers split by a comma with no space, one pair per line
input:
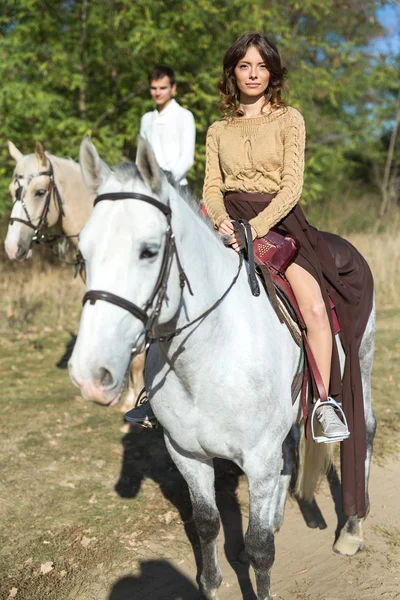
[314,314]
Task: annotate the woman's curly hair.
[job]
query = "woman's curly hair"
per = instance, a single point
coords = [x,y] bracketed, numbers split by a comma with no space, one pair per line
[227,87]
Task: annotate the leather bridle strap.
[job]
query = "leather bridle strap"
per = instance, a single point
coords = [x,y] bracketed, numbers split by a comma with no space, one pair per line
[169,336]
[38,237]
[160,289]
[94,295]
[164,208]
[247,241]
[168,251]
[19,198]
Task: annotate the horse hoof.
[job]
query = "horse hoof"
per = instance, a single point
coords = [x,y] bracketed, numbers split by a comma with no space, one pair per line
[210,594]
[347,545]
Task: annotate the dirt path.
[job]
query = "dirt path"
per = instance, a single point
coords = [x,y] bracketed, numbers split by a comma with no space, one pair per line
[162,567]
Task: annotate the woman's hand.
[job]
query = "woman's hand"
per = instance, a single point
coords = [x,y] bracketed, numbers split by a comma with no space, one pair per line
[226,227]
[235,239]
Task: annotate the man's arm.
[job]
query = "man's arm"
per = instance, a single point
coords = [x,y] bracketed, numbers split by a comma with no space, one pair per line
[143,128]
[187,138]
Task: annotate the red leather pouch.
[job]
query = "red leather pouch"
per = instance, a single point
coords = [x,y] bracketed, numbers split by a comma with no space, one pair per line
[275,250]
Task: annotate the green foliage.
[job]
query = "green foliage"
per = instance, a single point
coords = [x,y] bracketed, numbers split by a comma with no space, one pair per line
[70,68]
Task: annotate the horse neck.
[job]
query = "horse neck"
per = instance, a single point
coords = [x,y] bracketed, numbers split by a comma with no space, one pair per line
[209,266]
[77,201]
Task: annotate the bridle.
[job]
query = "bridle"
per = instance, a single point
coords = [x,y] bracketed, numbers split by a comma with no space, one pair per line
[40,236]
[150,313]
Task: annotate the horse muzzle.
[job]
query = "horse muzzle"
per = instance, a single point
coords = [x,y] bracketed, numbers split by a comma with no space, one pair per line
[100,386]
[16,251]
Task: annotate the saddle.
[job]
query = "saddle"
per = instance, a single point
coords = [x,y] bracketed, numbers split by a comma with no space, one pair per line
[269,257]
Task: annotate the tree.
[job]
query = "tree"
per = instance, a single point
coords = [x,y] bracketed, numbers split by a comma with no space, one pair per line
[71,67]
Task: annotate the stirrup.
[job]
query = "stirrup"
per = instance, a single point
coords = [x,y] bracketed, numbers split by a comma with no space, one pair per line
[318,439]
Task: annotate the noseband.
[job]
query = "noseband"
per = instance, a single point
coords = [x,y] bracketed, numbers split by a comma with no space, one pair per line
[144,339]
[38,235]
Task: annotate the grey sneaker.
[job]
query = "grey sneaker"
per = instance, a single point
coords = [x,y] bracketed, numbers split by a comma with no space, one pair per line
[332,426]
[142,415]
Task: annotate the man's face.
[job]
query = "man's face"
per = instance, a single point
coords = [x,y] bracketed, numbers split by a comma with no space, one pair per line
[162,91]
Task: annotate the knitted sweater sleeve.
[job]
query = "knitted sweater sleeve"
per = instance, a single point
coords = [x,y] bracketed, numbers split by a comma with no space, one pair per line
[213,197]
[292,176]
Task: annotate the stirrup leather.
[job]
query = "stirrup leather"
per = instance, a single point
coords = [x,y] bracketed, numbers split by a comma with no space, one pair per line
[322,438]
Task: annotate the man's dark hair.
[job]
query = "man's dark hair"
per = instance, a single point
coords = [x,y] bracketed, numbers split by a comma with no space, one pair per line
[161,71]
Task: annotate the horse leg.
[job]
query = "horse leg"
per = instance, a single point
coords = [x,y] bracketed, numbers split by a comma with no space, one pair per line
[138,373]
[136,383]
[199,475]
[350,539]
[289,460]
[259,538]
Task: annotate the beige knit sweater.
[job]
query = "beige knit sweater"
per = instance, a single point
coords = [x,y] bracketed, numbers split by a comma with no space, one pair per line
[260,154]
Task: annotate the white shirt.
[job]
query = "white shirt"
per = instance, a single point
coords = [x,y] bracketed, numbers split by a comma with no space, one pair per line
[172,135]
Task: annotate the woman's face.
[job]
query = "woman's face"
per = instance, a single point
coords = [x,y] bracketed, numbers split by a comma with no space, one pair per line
[252,75]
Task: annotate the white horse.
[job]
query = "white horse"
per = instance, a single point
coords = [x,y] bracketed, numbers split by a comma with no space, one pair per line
[219,380]
[48,190]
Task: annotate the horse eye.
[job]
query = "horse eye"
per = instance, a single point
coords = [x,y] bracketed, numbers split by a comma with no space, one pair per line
[148,253]
[40,192]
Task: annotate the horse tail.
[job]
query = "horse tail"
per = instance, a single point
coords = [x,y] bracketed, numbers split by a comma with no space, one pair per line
[313,463]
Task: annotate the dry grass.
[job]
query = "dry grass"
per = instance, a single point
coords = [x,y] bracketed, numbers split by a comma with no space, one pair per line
[39,299]
[42,296]
[383,255]
[66,476]
[33,294]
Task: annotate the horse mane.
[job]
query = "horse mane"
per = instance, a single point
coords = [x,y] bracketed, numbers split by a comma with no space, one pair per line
[67,159]
[128,170]
[194,204]
[54,159]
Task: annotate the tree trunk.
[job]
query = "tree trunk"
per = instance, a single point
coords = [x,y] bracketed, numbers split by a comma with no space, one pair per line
[386,181]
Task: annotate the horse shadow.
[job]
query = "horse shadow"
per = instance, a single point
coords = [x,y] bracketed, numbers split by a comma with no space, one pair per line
[69,347]
[158,580]
[145,456]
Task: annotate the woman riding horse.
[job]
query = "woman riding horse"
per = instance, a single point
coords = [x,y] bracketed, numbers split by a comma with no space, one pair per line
[254,171]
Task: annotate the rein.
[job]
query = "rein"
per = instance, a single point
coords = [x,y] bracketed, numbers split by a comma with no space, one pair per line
[147,337]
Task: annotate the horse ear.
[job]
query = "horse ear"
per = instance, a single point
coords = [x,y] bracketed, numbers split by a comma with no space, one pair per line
[40,153]
[94,170]
[147,165]
[14,152]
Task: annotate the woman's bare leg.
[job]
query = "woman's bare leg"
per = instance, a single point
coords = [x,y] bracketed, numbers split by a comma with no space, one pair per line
[309,298]
[312,306]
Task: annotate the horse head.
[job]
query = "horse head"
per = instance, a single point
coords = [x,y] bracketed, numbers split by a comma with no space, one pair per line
[126,245]
[30,188]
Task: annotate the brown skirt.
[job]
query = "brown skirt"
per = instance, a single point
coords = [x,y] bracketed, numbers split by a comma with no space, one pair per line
[343,274]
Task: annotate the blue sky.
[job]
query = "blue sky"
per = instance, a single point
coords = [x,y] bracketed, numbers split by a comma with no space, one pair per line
[389,17]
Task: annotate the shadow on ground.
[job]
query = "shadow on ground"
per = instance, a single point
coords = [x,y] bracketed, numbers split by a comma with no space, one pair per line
[69,347]
[158,580]
[145,456]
